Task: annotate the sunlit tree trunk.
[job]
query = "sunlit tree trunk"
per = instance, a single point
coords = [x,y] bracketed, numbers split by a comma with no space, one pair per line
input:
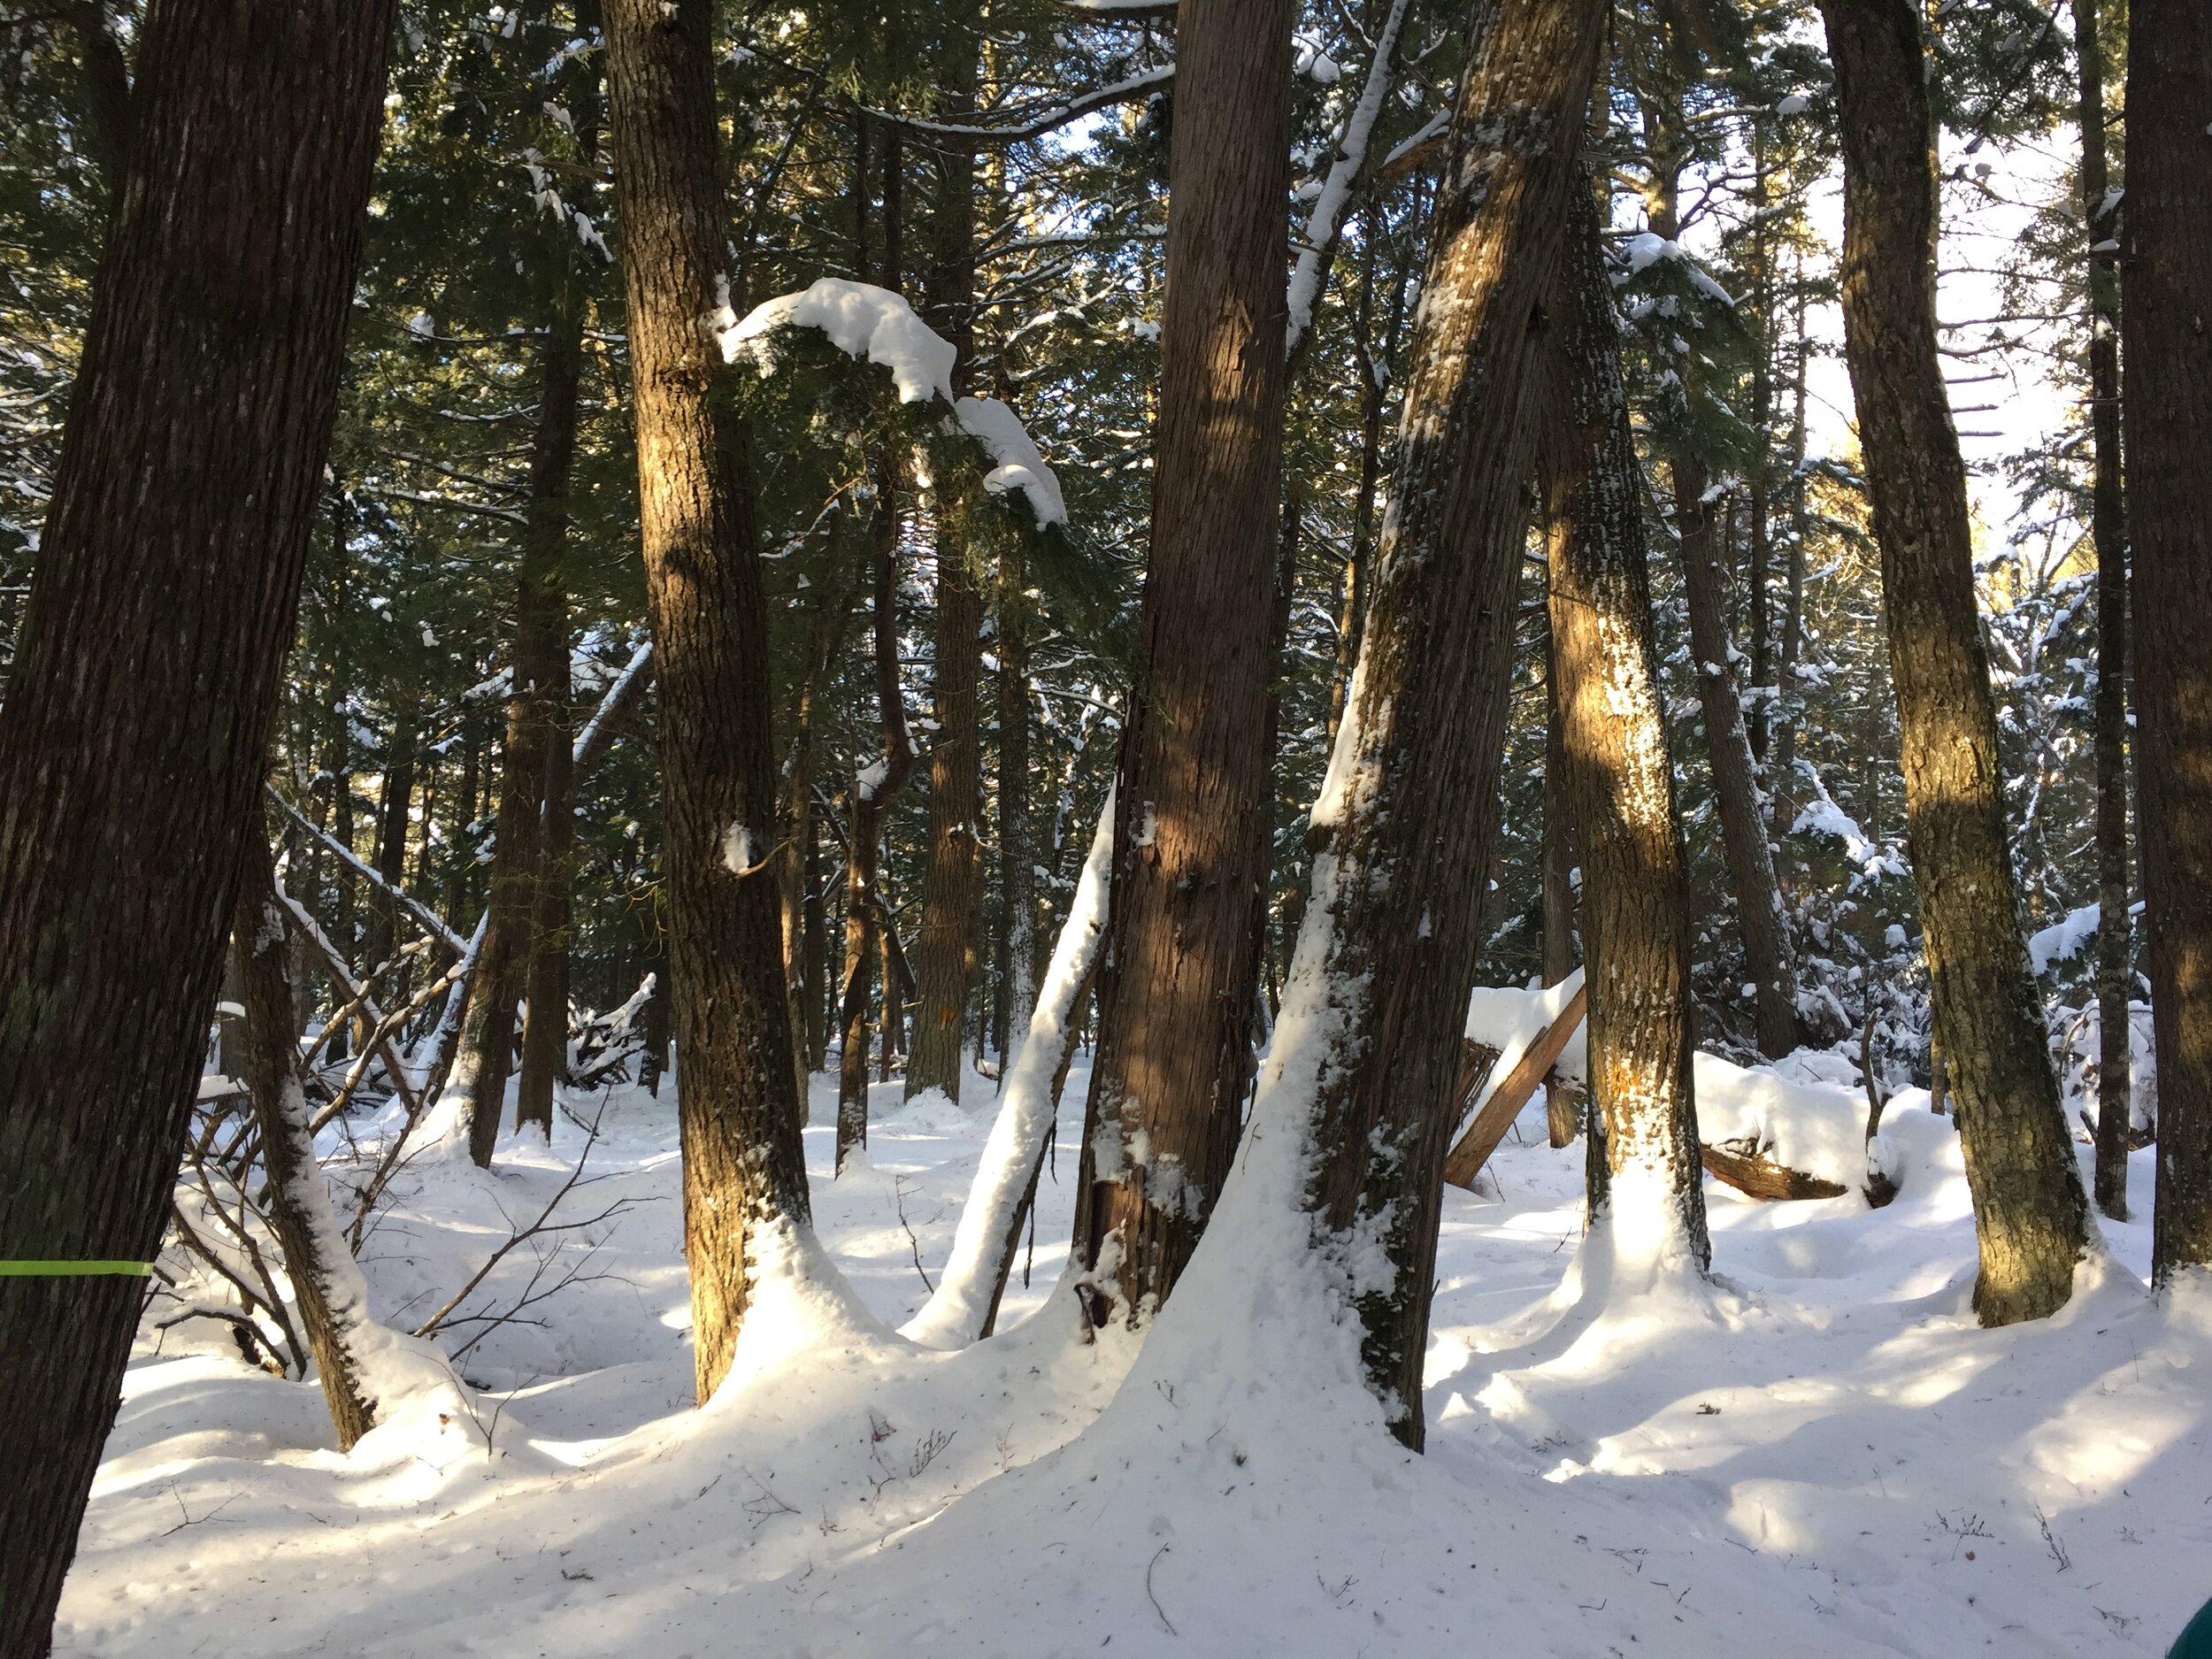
[2028,1206]
[1620,786]
[316,1256]
[1403,829]
[1556,857]
[744,1164]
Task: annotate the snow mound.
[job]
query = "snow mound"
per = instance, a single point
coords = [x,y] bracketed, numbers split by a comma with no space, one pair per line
[1819,1128]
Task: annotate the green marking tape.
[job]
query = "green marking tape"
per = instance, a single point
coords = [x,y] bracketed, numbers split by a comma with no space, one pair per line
[71,1269]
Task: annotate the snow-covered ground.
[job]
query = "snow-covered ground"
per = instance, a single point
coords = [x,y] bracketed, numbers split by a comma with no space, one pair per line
[1825,1455]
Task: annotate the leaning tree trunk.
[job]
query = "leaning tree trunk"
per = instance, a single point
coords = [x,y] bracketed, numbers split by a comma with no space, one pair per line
[944,968]
[744,1164]
[2116,972]
[1769,956]
[535,721]
[2028,1206]
[1620,787]
[1408,813]
[1177,983]
[2166,281]
[325,1281]
[138,709]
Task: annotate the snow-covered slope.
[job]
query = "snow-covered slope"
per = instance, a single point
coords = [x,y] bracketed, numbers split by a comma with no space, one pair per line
[1823,1456]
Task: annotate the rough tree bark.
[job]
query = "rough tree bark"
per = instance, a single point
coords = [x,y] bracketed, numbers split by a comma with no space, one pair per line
[1176,984]
[2028,1207]
[536,719]
[1408,814]
[2166,316]
[1620,783]
[945,953]
[744,1164]
[315,1255]
[138,710]
[2115,972]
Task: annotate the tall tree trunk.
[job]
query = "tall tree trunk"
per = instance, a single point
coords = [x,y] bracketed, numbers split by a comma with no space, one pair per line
[139,705]
[1176,985]
[1770,956]
[745,1190]
[2166,281]
[945,965]
[2028,1206]
[1402,831]
[1793,602]
[537,720]
[871,793]
[2116,972]
[814,907]
[1557,858]
[325,1281]
[1758,504]
[392,820]
[545,1034]
[1017,855]
[1620,785]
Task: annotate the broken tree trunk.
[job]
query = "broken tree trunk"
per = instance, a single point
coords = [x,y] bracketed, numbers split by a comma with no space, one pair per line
[1473,1148]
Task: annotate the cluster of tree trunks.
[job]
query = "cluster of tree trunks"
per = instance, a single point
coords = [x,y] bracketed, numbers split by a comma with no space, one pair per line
[1177,982]
[137,715]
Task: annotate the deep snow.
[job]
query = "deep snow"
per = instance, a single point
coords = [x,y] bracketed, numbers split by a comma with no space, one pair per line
[1823,1456]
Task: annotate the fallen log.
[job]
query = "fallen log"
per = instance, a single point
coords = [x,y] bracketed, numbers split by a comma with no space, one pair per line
[1753,1173]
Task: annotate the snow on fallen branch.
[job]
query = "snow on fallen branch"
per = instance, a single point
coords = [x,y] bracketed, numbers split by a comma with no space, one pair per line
[876,326]
[965,1301]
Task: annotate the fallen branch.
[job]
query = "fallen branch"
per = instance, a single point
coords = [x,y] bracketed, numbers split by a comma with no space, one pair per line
[1504,1104]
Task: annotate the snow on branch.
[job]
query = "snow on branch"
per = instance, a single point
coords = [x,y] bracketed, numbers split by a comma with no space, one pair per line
[873,325]
[1647,249]
[1324,221]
